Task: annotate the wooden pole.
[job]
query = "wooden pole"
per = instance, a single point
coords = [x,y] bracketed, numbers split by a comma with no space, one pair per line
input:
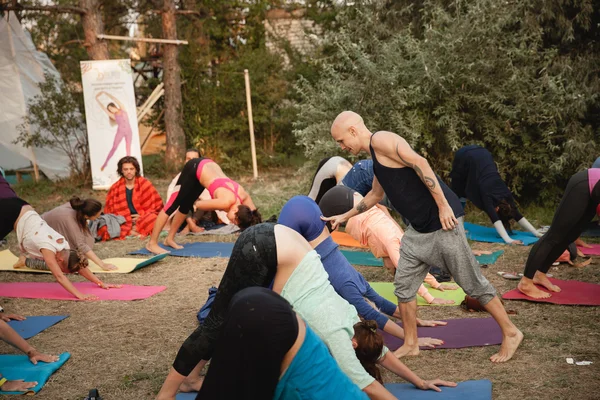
[250,122]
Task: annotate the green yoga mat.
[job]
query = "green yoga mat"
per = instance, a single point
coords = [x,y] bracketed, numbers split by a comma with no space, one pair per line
[368,259]
[386,290]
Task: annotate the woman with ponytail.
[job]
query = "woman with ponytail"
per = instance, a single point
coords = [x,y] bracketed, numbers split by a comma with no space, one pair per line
[71,221]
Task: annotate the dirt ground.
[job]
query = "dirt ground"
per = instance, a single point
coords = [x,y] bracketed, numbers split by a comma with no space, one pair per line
[125,349]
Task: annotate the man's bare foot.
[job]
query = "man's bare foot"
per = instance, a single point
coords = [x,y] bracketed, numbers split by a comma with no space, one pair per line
[171,243]
[541,279]
[191,384]
[429,342]
[437,300]
[155,248]
[509,345]
[406,350]
[481,252]
[20,263]
[528,288]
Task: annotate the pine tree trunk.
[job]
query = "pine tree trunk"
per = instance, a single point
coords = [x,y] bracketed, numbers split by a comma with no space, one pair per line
[172,82]
[93,25]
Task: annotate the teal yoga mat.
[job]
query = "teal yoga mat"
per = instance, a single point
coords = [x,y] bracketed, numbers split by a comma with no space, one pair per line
[488,259]
[471,390]
[14,367]
[368,259]
[486,234]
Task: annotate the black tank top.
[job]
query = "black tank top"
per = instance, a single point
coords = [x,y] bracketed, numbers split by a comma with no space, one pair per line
[411,198]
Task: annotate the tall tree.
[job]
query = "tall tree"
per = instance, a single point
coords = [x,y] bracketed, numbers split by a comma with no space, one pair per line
[93,25]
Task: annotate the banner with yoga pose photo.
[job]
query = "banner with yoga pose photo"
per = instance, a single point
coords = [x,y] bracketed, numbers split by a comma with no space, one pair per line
[111,117]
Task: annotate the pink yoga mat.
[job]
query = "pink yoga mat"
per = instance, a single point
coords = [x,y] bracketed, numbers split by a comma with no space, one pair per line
[53,291]
[459,333]
[572,293]
[594,251]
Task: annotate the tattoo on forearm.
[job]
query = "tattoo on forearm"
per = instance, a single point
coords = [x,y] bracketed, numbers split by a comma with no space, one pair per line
[429,182]
[361,207]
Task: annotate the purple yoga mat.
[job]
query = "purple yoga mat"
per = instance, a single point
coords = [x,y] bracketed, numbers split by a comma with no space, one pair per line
[459,333]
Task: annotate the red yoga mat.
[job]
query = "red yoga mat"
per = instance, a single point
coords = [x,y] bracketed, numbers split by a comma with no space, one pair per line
[54,291]
[572,293]
[593,251]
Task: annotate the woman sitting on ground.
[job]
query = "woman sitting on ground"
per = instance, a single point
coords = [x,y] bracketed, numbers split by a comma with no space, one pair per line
[380,232]
[227,195]
[579,205]
[269,254]
[71,221]
[267,351]
[303,215]
[475,176]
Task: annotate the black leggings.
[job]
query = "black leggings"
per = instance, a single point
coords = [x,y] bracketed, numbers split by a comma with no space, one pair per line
[576,209]
[259,330]
[11,208]
[189,188]
[253,262]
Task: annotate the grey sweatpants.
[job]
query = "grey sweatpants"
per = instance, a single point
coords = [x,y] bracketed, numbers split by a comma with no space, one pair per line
[448,250]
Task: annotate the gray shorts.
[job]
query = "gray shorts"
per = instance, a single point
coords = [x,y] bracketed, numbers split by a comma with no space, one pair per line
[448,250]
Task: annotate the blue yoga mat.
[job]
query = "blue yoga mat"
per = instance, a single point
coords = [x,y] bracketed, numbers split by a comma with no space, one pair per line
[471,390]
[198,249]
[34,325]
[487,259]
[362,258]
[19,367]
[186,396]
[480,233]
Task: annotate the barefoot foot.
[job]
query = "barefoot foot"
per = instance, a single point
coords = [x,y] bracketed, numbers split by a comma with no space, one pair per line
[155,248]
[510,343]
[542,280]
[407,350]
[20,263]
[171,243]
[528,288]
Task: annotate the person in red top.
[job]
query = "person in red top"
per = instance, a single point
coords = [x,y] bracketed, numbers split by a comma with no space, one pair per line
[135,198]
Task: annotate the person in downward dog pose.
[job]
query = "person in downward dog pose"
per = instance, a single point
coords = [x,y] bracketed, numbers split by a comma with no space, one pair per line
[330,172]
[227,195]
[274,255]
[475,176]
[381,233]
[303,215]
[435,235]
[577,208]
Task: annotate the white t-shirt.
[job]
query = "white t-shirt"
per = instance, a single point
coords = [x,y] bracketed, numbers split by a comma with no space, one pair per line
[34,234]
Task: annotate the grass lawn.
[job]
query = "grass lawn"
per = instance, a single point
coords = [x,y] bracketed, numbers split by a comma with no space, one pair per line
[125,349]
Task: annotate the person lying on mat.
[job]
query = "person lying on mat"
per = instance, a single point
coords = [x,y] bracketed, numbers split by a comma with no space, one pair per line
[303,215]
[71,221]
[227,195]
[40,241]
[475,176]
[330,172]
[267,351]
[274,255]
[381,233]
[579,205]
[436,234]
[10,336]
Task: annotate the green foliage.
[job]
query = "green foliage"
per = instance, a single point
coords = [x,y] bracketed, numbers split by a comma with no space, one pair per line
[505,75]
[55,119]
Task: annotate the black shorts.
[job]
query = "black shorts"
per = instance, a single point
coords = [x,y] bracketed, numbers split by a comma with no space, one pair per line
[11,208]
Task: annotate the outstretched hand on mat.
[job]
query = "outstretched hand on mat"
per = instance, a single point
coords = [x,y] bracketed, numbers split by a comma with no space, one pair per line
[88,297]
[425,322]
[109,267]
[429,342]
[18,386]
[110,286]
[481,252]
[7,317]
[35,356]
[433,384]
[516,243]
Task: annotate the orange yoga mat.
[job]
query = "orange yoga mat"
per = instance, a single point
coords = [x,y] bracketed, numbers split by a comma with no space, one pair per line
[344,239]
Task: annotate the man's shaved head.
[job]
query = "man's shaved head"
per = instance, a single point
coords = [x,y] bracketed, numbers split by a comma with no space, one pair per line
[345,120]
[349,131]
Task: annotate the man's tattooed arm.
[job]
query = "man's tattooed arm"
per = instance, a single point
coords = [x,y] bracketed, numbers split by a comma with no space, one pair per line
[361,207]
[429,182]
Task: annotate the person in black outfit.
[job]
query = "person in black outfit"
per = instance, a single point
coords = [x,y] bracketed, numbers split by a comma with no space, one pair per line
[475,176]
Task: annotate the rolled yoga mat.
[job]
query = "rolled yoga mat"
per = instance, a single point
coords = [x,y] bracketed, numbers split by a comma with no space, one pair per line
[572,293]
[54,291]
[197,249]
[458,334]
[125,265]
[386,290]
[480,233]
[468,390]
[14,367]
[34,325]
[593,251]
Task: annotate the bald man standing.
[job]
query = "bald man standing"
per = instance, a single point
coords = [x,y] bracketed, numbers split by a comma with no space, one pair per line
[435,236]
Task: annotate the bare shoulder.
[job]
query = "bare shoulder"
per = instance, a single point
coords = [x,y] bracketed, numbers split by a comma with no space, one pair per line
[385,139]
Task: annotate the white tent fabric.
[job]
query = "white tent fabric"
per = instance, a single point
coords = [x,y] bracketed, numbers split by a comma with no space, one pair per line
[22,68]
